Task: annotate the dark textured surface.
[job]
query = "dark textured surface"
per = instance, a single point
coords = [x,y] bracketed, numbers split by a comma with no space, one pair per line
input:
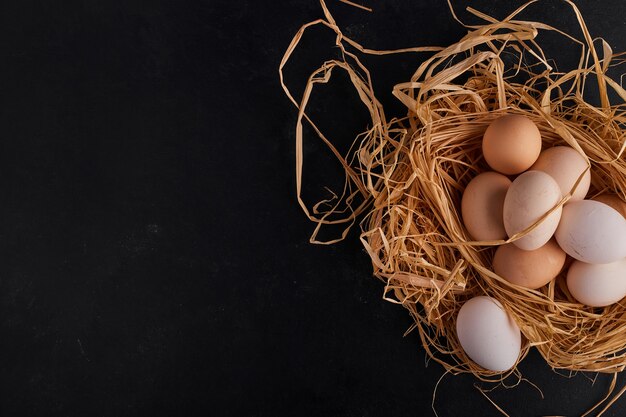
[153,258]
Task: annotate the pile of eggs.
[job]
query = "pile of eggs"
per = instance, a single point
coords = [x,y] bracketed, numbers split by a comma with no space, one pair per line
[523,191]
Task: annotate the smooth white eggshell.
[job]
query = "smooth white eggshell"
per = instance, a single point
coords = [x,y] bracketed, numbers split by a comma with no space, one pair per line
[592,232]
[529,197]
[488,335]
[597,285]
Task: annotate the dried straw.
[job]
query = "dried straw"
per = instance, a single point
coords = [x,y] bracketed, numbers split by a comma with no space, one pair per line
[405,177]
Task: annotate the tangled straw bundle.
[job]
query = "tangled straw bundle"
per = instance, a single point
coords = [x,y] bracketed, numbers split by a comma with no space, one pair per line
[405,178]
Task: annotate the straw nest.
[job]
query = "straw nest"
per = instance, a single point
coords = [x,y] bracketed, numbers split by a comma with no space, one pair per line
[405,178]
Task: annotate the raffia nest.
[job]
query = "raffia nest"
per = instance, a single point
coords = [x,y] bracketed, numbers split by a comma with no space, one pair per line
[405,178]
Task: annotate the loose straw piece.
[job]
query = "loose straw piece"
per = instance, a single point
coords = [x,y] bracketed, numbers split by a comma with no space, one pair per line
[405,178]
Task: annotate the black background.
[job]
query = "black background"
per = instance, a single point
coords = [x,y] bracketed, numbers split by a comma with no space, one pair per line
[153,257]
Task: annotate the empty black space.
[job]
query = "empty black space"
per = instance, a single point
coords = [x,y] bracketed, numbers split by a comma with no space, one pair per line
[154,260]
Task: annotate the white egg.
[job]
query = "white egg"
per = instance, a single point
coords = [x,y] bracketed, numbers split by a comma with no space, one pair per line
[597,285]
[529,197]
[488,335]
[592,232]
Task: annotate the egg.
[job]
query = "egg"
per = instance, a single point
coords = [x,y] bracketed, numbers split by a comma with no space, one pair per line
[612,201]
[529,197]
[511,144]
[597,285]
[531,269]
[482,204]
[488,335]
[591,232]
[565,165]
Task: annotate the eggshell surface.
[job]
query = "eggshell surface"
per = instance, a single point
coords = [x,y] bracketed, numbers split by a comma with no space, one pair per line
[482,204]
[530,269]
[597,285]
[488,335]
[511,144]
[612,201]
[565,165]
[529,197]
[592,232]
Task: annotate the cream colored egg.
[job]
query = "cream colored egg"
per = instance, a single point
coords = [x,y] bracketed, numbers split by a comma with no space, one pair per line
[597,285]
[481,206]
[592,232]
[531,196]
[613,201]
[565,165]
[531,269]
[488,335]
[511,144]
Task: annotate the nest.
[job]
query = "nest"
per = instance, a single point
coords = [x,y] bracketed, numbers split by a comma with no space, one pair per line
[405,178]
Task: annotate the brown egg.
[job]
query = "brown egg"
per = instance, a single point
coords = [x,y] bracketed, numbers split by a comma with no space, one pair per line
[482,204]
[511,144]
[565,165]
[531,269]
[612,201]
